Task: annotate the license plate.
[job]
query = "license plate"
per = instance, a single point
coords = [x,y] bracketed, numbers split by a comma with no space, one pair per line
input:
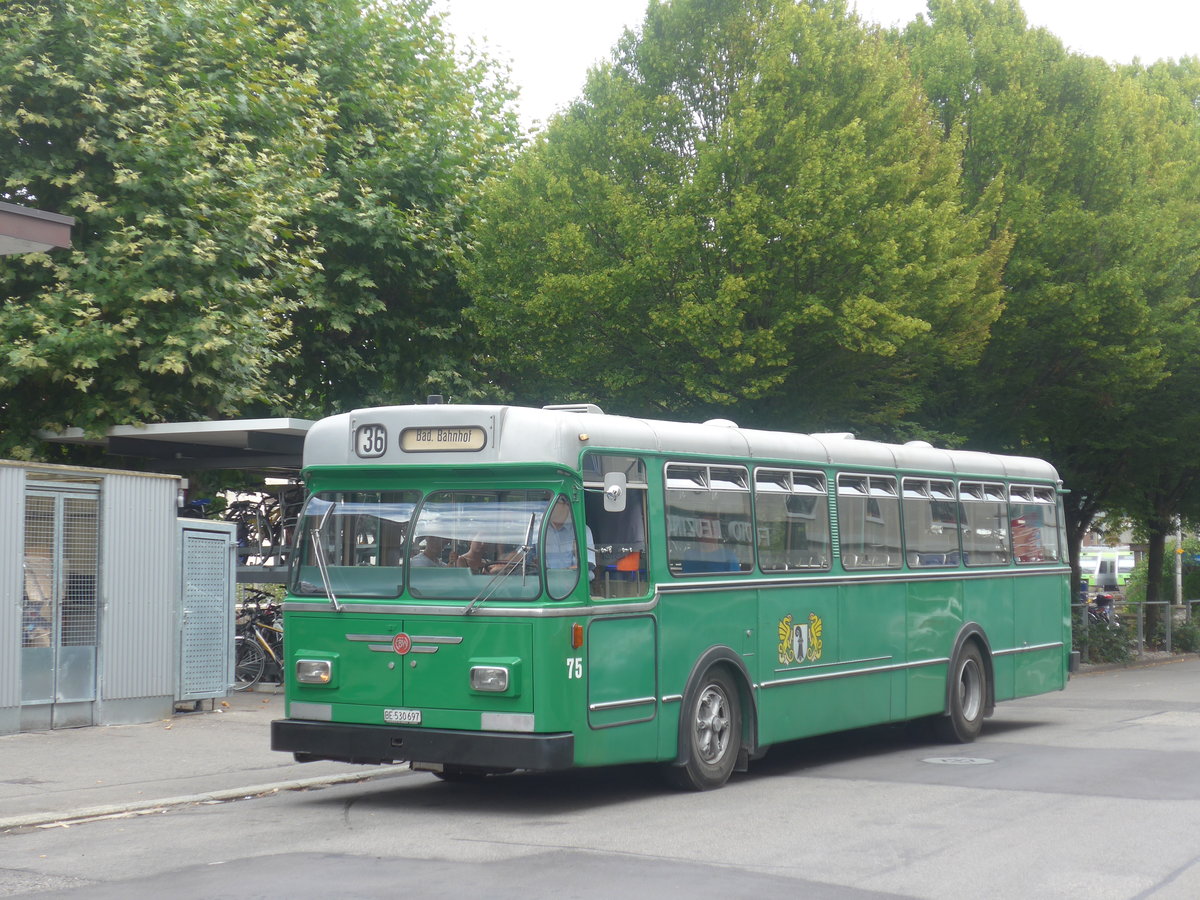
[402,716]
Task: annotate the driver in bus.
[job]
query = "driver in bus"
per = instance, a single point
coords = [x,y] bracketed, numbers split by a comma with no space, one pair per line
[562,551]
[473,558]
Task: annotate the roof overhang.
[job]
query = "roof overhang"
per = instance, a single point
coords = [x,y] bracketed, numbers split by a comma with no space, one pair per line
[24,230]
[260,445]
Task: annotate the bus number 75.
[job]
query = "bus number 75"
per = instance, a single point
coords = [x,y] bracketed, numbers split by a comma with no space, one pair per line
[574,667]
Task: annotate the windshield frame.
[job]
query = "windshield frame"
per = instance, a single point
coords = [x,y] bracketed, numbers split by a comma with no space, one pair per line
[455,512]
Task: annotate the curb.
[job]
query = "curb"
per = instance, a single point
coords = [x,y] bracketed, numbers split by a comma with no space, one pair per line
[1145,663]
[114,810]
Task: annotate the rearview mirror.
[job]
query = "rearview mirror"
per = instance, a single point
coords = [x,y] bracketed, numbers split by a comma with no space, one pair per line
[614,491]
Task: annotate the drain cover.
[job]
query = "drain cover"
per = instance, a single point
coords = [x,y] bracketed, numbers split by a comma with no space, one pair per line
[957,761]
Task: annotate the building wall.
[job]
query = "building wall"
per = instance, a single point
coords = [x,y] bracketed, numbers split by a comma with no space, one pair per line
[139,631]
[137,644]
[12,522]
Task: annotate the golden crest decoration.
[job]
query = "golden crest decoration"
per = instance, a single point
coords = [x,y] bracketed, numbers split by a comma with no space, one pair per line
[800,642]
[786,654]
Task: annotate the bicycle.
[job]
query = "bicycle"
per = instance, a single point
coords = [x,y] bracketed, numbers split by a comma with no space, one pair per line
[258,641]
[265,524]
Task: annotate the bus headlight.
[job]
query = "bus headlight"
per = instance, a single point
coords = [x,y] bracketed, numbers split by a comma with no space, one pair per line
[493,679]
[314,671]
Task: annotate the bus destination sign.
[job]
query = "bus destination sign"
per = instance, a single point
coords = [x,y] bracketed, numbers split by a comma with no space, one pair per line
[443,438]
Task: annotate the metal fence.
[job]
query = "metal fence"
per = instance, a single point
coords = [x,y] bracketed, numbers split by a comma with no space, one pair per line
[1133,620]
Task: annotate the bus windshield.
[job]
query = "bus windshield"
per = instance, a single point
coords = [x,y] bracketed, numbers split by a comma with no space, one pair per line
[453,545]
[472,545]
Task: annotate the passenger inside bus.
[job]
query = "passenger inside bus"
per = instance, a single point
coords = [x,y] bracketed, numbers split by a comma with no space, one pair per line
[431,552]
[707,553]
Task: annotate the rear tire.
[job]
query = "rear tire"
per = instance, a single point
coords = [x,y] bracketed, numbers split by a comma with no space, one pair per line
[967,698]
[711,733]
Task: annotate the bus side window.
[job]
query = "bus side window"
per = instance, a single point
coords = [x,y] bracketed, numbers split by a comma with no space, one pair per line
[709,524]
[791,520]
[619,538]
[931,531]
[620,544]
[868,514]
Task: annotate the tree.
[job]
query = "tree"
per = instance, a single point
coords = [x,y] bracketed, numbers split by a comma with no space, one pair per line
[749,207]
[415,131]
[183,149]
[1104,262]
[1165,455]
[269,200]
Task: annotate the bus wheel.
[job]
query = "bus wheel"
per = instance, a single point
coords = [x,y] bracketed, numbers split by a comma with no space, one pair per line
[711,733]
[968,698]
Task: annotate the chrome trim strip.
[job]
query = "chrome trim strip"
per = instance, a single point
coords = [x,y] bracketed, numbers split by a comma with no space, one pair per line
[416,639]
[844,662]
[1029,648]
[530,612]
[672,698]
[860,577]
[895,667]
[668,587]
[620,704]
[869,670]
[388,648]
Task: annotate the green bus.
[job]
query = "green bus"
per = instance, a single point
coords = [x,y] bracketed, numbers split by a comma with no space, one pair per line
[483,589]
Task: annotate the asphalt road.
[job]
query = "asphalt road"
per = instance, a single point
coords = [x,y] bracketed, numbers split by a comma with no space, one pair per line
[1093,793]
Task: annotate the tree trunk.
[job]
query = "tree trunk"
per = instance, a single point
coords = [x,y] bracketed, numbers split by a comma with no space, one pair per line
[1157,530]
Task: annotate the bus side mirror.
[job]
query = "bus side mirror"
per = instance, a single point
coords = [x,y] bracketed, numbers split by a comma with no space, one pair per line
[614,491]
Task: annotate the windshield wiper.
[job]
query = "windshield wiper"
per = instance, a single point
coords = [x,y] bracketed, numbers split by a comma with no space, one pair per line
[518,558]
[322,562]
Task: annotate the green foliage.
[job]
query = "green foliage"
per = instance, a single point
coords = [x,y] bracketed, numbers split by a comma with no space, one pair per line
[1135,588]
[269,200]
[183,149]
[1100,192]
[413,135]
[1099,643]
[1185,637]
[749,206]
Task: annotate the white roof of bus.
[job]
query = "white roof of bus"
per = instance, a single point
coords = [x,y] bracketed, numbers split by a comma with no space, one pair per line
[557,436]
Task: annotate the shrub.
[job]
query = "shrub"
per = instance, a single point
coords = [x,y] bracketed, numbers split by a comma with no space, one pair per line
[1099,643]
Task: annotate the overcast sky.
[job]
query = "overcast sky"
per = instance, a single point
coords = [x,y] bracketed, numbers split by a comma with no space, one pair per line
[550,44]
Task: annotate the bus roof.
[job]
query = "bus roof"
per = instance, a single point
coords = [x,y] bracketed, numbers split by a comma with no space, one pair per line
[557,436]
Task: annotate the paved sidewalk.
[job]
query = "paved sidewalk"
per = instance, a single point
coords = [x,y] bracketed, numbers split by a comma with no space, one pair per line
[211,754]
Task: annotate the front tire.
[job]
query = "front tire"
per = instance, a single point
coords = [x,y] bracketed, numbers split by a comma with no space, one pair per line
[249,664]
[967,698]
[711,733]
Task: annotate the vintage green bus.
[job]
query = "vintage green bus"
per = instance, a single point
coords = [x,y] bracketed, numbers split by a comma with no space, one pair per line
[482,589]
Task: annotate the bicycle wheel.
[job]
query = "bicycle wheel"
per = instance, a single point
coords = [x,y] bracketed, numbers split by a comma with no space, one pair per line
[249,663]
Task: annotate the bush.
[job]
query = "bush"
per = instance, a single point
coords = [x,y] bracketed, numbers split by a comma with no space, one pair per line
[1185,637]
[1099,643]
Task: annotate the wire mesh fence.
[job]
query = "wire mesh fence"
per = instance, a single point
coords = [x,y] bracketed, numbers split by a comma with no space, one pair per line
[1124,630]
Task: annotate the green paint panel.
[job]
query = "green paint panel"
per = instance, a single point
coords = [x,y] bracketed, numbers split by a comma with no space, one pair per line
[433,673]
[621,671]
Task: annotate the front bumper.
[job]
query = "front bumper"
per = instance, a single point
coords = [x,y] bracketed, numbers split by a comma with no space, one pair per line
[379,744]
